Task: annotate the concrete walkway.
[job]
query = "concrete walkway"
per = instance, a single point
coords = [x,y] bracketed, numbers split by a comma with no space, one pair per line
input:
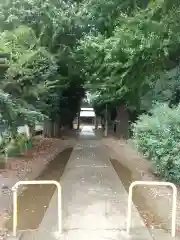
[94,200]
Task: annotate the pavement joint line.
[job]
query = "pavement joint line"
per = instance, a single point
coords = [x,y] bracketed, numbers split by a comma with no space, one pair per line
[92,166]
[96,229]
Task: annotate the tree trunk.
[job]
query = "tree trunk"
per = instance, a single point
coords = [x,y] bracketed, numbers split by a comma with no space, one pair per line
[70,125]
[122,129]
[56,128]
[48,129]
[96,122]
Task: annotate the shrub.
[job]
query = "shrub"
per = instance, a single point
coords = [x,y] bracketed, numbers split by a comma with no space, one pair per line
[4,141]
[23,142]
[157,136]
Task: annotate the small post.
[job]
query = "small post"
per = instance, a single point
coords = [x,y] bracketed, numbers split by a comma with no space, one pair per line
[59,209]
[129,209]
[14,212]
[106,123]
[6,156]
[78,120]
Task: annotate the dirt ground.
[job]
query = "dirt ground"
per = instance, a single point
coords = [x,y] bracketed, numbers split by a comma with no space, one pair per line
[153,203]
[28,167]
[34,200]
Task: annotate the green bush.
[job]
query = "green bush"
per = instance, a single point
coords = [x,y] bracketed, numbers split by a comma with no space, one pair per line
[4,141]
[29,143]
[21,141]
[157,136]
[18,145]
[14,146]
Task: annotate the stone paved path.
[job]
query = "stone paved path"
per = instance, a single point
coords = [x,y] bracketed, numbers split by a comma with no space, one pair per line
[94,200]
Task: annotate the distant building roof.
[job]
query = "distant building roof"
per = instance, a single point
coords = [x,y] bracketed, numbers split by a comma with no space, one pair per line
[87,109]
[87,113]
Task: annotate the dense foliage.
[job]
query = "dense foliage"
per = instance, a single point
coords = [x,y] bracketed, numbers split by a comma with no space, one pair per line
[118,49]
[143,44]
[157,136]
[42,71]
